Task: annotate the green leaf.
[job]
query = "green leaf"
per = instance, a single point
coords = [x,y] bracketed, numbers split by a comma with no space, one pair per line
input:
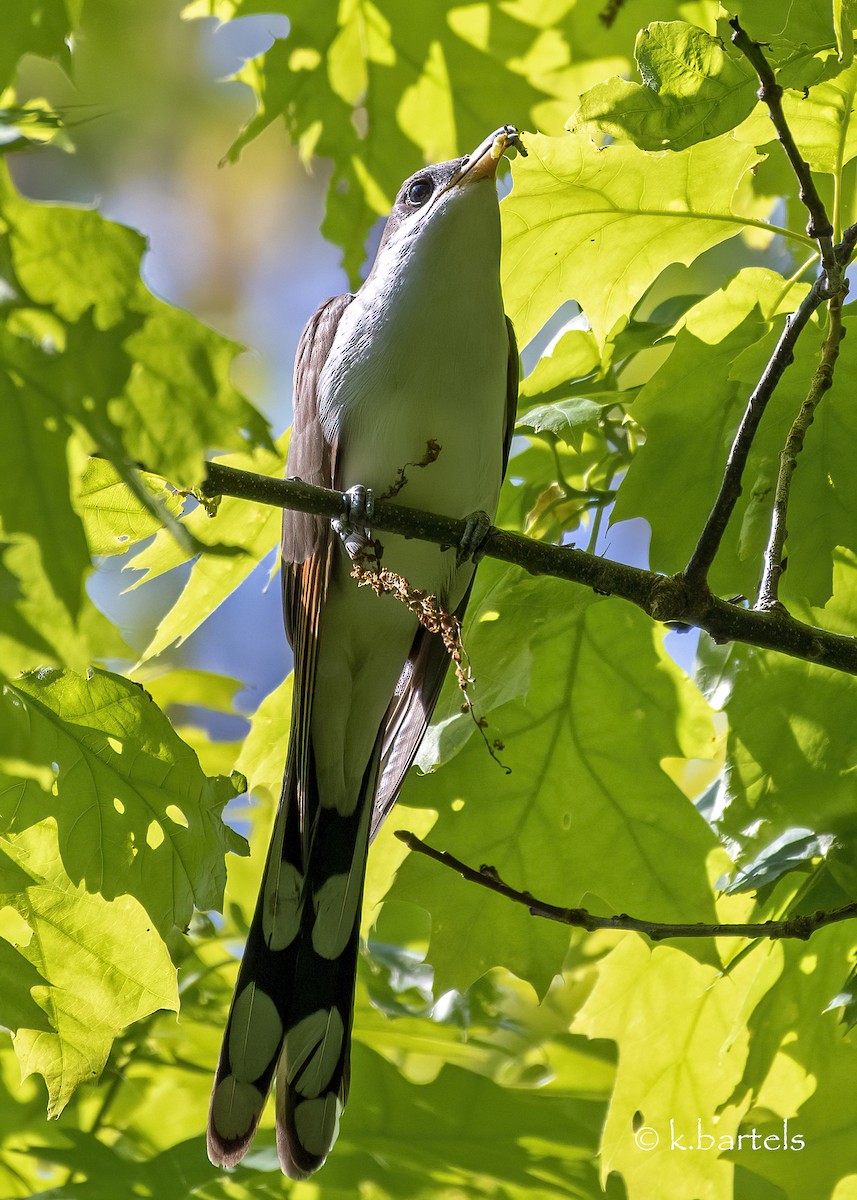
[30,126]
[113,515]
[576,821]
[89,355]
[18,977]
[792,770]
[398,1139]
[188,686]
[678,1025]
[135,814]
[38,27]
[808,25]
[574,356]
[45,532]
[50,246]
[593,225]
[35,625]
[692,90]
[171,372]
[844,20]
[177,1173]
[263,753]
[180,396]
[41,390]
[825,1123]
[801,1079]
[839,613]
[567,418]
[104,964]
[236,540]
[510,1133]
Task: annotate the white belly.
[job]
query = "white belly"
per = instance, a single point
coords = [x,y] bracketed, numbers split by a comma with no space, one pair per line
[403,375]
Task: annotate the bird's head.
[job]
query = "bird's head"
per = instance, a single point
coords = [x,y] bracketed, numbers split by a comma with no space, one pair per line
[446,206]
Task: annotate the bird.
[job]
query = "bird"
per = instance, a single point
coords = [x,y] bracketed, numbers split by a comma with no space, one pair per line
[421,355]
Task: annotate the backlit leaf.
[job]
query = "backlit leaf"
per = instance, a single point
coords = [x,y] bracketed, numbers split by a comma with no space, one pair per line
[104,965]
[693,89]
[590,224]
[134,813]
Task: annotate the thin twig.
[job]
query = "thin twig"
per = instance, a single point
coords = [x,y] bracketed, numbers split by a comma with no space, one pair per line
[666,598]
[833,259]
[770,93]
[801,926]
[822,381]
[845,248]
[830,283]
[696,571]
[610,12]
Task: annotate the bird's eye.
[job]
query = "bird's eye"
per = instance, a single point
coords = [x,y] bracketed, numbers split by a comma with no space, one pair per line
[419,191]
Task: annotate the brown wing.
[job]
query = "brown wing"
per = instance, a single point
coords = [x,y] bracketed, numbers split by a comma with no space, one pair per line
[307,545]
[311,457]
[513,376]
[419,686]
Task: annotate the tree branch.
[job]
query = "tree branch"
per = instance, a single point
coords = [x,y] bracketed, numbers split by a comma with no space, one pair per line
[770,93]
[801,926]
[666,598]
[831,282]
[696,571]
[822,381]
[845,248]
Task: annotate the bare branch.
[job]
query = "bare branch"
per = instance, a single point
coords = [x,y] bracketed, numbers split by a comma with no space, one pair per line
[771,94]
[696,571]
[666,598]
[801,926]
[830,283]
[822,381]
[845,248]
[610,12]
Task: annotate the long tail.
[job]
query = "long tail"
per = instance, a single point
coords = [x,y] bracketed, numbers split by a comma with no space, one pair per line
[294,999]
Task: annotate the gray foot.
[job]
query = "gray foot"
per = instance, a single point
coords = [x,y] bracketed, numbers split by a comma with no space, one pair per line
[472,545]
[358,505]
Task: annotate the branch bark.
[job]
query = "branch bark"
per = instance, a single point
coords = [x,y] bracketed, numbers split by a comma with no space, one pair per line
[822,381]
[696,571]
[800,926]
[830,283]
[665,598]
[770,93]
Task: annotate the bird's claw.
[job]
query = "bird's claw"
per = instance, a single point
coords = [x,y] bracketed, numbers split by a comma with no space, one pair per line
[472,545]
[358,506]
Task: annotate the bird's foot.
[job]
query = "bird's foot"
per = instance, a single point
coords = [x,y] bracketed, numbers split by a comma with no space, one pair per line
[358,505]
[472,545]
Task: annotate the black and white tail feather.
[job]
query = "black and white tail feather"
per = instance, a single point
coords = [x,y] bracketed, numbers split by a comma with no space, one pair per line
[291,1013]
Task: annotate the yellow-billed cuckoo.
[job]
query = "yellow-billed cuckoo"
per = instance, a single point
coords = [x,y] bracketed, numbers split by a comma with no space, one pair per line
[423,353]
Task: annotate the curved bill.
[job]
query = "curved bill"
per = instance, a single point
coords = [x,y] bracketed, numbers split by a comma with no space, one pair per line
[482,163]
